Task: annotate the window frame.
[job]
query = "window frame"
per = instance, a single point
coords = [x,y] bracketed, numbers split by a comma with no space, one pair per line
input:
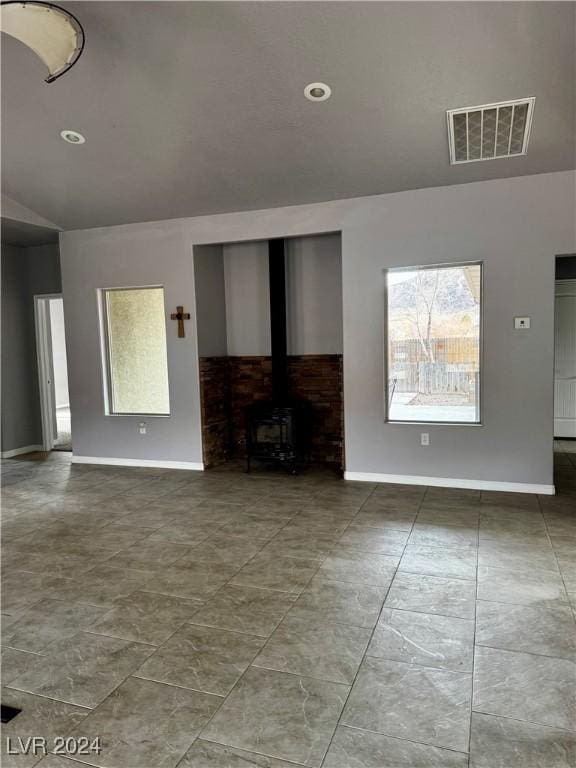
[106,351]
[478,422]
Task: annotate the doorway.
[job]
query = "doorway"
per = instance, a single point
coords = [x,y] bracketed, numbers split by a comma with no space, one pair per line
[565,349]
[53,373]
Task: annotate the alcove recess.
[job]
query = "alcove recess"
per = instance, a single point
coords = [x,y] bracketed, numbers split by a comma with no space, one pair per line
[233,306]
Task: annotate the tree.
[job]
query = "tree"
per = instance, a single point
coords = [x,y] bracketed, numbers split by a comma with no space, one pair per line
[424,306]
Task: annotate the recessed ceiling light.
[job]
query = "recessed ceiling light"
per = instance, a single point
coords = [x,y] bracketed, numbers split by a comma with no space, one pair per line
[317,92]
[72,137]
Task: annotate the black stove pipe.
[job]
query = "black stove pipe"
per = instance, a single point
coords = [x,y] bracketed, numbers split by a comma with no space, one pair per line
[277,272]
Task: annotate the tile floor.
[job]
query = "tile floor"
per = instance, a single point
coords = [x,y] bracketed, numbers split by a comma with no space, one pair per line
[221,620]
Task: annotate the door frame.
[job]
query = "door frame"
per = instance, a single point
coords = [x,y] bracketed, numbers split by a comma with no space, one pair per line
[45,367]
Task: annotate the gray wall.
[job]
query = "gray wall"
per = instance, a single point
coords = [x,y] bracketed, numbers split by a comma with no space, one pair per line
[516,226]
[25,272]
[313,296]
[154,254]
[247,298]
[210,300]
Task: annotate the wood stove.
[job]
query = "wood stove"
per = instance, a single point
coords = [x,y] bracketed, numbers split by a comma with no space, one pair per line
[278,430]
[278,433]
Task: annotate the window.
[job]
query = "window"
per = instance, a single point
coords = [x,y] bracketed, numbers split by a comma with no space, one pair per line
[433,344]
[136,359]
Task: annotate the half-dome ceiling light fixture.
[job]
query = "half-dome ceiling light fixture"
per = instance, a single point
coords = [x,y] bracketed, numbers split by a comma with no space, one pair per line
[317,92]
[54,34]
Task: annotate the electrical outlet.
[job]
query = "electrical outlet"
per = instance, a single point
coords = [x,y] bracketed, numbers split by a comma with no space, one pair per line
[424,438]
[142,427]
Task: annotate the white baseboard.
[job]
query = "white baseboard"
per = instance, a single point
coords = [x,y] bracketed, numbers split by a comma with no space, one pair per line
[20,451]
[449,482]
[155,463]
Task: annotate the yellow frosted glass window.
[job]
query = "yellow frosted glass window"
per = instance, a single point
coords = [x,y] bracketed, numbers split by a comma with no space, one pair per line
[137,360]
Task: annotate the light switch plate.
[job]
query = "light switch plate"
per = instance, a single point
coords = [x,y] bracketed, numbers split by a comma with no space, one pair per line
[521,323]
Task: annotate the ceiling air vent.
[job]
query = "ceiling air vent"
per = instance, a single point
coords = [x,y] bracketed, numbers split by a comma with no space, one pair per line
[489,131]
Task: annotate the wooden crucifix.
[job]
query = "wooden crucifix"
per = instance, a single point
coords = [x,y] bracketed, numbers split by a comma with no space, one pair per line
[180,315]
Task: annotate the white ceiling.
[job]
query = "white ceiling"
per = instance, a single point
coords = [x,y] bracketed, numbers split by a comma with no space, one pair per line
[191,107]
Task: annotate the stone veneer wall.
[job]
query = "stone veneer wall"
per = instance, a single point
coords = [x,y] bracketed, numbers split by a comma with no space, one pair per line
[215,407]
[230,384]
[318,379]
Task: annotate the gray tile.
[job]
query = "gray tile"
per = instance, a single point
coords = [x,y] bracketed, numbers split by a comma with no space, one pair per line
[190,579]
[15,663]
[530,526]
[527,587]
[353,748]
[143,515]
[366,539]
[525,687]
[310,545]
[202,658]
[21,590]
[228,550]
[344,508]
[513,517]
[146,617]
[149,554]
[324,651]
[419,638]
[550,631]
[513,555]
[48,621]
[442,514]
[190,533]
[40,717]
[564,545]
[287,574]
[411,702]
[452,495]
[397,494]
[101,586]
[318,524]
[378,517]
[505,498]
[279,715]
[439,561]
[143,724]
[245,609]
[339,602]
[82,669]
[206,754]
[441,535]
[55,761]
[567,567]
[359,568]
[561,526]
[498,742]
[69,564]
[432,594]
[252,527]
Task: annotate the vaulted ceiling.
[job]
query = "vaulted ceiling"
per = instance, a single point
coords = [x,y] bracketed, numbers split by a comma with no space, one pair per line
[197,107]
